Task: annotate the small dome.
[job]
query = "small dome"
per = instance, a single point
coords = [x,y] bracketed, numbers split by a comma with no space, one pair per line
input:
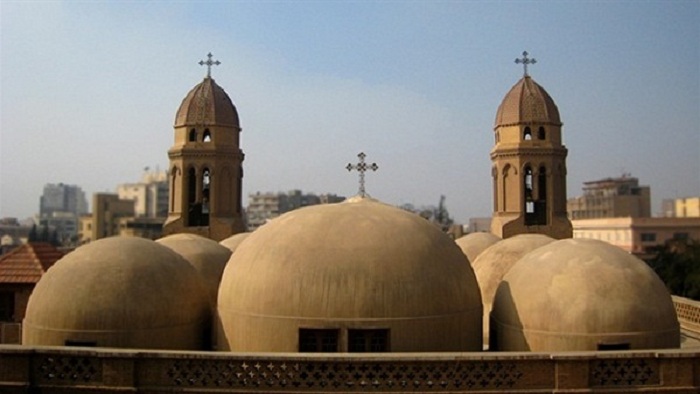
[207,104]
[494,263]
[355,265]
[124,292]
[474,243]
[582,294]
[527,102]
[233,241]
[206,256]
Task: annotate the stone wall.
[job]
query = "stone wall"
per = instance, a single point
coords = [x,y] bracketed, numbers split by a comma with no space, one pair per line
[75,370]
[688,312]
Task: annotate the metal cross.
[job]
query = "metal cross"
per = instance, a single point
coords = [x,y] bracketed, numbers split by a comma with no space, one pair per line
[209,63]
[362,167]
[525,61]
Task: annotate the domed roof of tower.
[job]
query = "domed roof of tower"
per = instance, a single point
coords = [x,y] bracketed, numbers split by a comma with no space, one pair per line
[581,294]
[207,104]
[351,265]
[124,292]
[527,102]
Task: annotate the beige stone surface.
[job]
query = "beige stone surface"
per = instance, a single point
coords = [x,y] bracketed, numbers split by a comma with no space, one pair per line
[356,264]
[576,294]
[494,263]
[206,256]
[473,244]
[233,241]
[119,292]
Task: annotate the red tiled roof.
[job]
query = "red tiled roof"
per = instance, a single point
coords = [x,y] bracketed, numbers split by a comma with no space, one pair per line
[27,263]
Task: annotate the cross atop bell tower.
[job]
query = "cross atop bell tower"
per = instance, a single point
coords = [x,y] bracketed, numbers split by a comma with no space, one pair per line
[524,61]
[209,63]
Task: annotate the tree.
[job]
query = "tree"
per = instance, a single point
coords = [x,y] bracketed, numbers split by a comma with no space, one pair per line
[677,263]
[33,234]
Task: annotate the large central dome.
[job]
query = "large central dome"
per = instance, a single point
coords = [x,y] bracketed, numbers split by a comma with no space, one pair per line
[207,104]
[527,102]
[356,265]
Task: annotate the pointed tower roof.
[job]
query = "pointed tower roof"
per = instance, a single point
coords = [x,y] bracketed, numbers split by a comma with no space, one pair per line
[27,263]
[527,102]
[207,104]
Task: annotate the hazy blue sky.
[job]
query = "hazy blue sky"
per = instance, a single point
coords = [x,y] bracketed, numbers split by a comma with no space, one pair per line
[90,90]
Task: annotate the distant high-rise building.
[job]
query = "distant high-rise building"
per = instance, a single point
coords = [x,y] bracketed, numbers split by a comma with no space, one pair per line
[150,196]
[62,198]
[60,206]
[265,206]
[611,198]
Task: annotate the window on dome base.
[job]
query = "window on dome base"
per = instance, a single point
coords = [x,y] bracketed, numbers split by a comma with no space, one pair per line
[527,134]
[372,341]
[318,340]
[193,135]
[207,136]
[614,346]
[541,134]
[80,343]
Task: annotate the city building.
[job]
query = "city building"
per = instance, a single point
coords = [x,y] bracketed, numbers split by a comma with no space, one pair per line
[60,206]
[206,164]
[637,234]
[687,207]
[529,164]
[265,206]
[611,198]
[150,196]
[107,211]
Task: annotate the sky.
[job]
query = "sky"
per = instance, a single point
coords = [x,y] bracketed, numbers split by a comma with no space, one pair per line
[89,91]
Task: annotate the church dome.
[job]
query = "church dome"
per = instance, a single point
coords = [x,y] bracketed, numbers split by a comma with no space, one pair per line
[474,243]
[582,294]
[344,268]
[527,102]
[123,292]
[494,263]
[207,104]
[233,241]
[206,256]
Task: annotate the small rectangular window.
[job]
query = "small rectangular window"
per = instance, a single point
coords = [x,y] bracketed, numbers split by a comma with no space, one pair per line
[80,343]
[362,341]
[648,237]
[318,340]
[613,346]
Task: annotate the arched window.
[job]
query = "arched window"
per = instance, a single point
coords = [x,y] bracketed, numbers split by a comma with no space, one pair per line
[192,217]
[542,184]
[207,136]
[529,201]
[527,134]
[193,135]
[206,202]
[541,133]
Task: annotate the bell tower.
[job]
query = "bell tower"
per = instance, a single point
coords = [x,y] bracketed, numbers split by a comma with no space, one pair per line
[529,163]
[206,169]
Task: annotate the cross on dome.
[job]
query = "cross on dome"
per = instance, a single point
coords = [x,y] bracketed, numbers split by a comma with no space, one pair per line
[209,63]
[525,61]
[362,167]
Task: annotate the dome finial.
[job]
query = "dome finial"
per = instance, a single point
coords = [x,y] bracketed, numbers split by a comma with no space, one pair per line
[209,63]
[525,61]
[362,167]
